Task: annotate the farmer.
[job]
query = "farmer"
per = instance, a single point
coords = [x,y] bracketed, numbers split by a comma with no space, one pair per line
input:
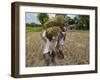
[50,37]
[60,42]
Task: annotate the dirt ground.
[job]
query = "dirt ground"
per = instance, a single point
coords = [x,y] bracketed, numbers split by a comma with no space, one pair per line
[76,49]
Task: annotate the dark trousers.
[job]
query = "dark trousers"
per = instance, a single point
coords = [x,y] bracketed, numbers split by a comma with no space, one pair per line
[49,58]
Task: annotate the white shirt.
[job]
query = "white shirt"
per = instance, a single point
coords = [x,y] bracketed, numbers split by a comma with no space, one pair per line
[49,45]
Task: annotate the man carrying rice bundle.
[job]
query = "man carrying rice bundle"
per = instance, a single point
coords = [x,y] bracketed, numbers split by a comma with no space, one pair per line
[54,37]
[60,43]
[50,36]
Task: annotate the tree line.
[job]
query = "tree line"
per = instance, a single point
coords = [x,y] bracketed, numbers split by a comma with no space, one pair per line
[80,21]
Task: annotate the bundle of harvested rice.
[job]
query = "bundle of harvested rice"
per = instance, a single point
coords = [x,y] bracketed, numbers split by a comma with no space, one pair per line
[54,31]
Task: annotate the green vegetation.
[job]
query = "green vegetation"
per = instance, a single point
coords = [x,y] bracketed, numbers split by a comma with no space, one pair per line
[39,29]
[43,17]
[77,23]
[33,24]
[33,29]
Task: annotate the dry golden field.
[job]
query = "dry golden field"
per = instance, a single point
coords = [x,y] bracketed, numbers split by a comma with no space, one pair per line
[76,49]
